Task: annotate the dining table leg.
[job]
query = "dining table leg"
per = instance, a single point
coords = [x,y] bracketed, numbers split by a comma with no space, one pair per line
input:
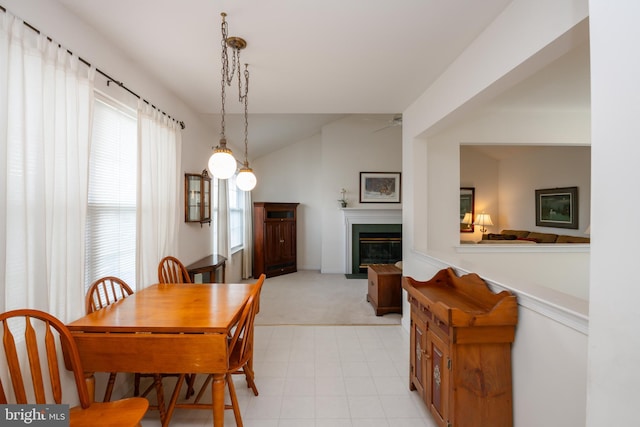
[217,398]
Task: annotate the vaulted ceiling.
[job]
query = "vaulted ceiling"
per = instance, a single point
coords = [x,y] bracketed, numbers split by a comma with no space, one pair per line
[310,62]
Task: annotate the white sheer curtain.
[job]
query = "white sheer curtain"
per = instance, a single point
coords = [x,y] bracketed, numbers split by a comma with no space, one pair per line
[159,180]
[223,225]
[247,252]
[46,96]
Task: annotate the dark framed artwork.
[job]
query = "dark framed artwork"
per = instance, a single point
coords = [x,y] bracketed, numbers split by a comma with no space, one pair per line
[467,209]
[557,207]
[379,187]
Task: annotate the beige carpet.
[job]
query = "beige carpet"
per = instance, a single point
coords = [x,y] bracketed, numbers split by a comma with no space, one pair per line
[311,298]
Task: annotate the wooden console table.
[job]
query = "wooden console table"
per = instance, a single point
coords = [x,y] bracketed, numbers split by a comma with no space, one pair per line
[460,361]
[209,264]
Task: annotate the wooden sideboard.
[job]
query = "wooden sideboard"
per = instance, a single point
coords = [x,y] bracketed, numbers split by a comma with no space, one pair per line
[460,362]
[384,291]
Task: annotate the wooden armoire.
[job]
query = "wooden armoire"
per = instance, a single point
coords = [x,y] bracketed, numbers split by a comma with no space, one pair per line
[274,238]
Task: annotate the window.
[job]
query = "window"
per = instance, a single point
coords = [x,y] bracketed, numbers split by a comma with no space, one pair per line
[236,213]
[111,214]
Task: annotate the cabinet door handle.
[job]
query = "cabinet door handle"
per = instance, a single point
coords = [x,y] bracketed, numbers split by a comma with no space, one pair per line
[281,240]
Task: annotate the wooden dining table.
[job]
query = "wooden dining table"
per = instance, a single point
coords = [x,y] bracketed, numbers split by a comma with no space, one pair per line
[164,328]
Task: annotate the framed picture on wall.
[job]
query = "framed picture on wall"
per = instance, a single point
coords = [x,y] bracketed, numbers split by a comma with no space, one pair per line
[467,209]
[379,187]
[557,207]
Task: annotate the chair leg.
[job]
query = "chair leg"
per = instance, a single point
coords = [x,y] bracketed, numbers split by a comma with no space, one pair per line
[157,383]
[203,388]
[234,401]
[148,389]
[250,376]
[109,389]
[136,385]
[191,379]
[172,403]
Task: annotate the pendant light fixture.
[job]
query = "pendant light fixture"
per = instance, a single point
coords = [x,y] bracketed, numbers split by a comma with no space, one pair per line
[246,179]
[222,164]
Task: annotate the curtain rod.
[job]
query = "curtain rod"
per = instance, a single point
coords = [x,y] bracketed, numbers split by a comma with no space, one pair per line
[108,77]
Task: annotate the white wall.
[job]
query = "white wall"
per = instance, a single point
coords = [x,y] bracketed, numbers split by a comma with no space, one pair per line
[546,167]
[549,354]
[313,171]
[614,341]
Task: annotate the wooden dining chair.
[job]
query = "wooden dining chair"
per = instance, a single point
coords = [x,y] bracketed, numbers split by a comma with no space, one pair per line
[171,270]
[101,293]
[240,351]
[36,379]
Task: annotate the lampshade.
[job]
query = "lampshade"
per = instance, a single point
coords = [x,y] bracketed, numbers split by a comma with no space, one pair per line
[222,164]
[483,219]
[246,180]
[468,218]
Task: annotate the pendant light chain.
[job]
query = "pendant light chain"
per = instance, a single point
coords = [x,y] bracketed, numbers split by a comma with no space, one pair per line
[222,163]
[246,114]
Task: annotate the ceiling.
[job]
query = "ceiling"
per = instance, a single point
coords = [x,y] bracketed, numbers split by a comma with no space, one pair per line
[310,62]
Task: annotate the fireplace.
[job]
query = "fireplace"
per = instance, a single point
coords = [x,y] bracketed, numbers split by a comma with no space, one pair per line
[387,223]
[375,244]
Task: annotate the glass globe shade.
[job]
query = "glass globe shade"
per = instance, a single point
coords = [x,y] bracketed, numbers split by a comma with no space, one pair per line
[246,179]
[222,164]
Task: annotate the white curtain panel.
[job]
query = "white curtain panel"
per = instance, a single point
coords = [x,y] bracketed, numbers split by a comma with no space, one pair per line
[223,227]
[247,252]
[159,179]
[223,243]
[46,96]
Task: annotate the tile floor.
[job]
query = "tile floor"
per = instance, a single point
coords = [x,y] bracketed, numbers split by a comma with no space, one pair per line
[323,376]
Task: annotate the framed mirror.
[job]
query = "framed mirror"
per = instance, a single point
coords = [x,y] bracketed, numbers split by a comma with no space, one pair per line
[197,197]
[467,209]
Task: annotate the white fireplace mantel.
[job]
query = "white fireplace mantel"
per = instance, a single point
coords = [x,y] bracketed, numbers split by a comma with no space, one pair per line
[366,216]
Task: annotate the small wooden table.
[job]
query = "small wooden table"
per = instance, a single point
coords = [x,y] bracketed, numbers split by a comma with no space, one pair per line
[209,264]
[184,327]
[385,289]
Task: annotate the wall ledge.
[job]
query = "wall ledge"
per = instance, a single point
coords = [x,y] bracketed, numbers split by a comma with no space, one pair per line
[567,310]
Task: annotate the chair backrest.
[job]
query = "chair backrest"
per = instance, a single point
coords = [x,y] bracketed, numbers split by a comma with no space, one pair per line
[40,381]
[171,270]
[241,342]
[105,291]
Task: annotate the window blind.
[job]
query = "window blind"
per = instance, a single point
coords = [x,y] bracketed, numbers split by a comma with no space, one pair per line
[111,213]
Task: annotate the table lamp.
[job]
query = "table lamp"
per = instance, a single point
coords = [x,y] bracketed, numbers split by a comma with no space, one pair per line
[483,220]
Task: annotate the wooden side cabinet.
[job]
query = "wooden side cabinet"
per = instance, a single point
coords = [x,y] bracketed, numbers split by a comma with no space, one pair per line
[274,237]
[460,360]
[197,197]
[384,290]
[208,267]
